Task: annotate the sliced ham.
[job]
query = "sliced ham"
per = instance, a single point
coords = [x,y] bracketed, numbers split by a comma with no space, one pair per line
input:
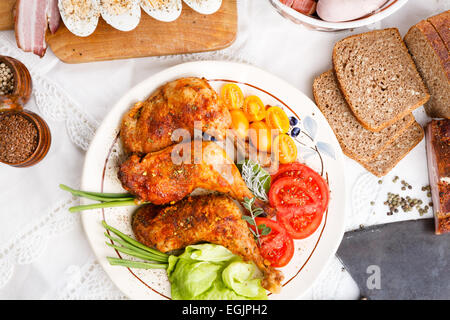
[287,2]
[438,155]
[303,6]
[32,18]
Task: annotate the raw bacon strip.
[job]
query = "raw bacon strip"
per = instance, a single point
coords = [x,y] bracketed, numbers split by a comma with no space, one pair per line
[53,15]
[31,23]
[438,154]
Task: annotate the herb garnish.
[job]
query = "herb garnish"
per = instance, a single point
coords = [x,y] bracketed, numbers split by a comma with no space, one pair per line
[256,178]
[257,231]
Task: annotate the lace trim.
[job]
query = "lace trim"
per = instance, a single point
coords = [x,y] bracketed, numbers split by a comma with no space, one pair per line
[55,104]
[88,282]
[31,241]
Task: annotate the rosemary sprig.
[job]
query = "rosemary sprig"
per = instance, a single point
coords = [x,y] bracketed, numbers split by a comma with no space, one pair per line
[257,231]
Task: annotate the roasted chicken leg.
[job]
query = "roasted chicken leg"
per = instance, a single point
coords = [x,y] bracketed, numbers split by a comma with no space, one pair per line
[173,173]
[150,125]
[208,218]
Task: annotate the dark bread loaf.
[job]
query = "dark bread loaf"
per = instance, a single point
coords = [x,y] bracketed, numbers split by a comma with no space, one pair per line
[378,78]
[356,142]
[432,59]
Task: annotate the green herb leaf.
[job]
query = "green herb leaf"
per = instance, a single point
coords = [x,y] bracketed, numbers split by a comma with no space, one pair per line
[258,212]
[256,178]
[249,220]
[266,231]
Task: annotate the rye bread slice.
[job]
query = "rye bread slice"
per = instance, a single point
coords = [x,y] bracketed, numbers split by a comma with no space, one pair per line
[378,77]
[433,62]
[356,142]
[396,151]
[441,24]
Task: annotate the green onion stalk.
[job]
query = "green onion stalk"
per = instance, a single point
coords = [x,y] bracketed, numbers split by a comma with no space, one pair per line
[153,259]
[106,200]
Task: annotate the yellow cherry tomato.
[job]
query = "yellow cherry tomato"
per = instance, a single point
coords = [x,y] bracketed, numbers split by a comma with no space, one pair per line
[286,148]
[260,136]
[254,108]
[232,96]
[239,123]
[276,118]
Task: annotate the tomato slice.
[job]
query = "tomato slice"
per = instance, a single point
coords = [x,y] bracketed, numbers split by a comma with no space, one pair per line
[286,148]
[254,108]
[239,122]
[260,136]
[302,172]
[300,196]
[232,96]
[277,247]
[300,225]
[276,118]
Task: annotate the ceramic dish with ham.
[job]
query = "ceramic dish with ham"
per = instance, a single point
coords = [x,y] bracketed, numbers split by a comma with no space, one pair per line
[332,15]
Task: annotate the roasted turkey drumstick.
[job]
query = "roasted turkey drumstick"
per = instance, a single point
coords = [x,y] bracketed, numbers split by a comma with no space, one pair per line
[157,178]
[149,125]
[206,218]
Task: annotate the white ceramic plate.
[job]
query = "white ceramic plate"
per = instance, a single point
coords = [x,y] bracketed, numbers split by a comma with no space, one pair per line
[317,145]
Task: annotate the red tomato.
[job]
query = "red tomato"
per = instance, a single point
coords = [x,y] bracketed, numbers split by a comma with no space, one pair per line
[300,196]
[277,247]
[301,172]
[301,225]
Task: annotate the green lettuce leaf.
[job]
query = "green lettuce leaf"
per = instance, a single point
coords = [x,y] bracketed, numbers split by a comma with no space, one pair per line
[239,276]
[212,272]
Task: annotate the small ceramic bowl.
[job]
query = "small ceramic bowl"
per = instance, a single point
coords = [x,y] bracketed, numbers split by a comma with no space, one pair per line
[315,23]
[14,102]
[43,139]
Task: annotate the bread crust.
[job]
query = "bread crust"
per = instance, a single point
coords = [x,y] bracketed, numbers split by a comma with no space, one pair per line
[387,169]
[442,55]
[441,24]
[347,97]
[435,42]
[347,151]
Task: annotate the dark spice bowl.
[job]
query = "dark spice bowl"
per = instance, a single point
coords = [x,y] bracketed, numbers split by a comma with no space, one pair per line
[11,109]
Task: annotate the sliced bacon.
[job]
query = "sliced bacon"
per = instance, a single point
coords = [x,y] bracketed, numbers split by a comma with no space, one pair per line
[32,18]
[53,15]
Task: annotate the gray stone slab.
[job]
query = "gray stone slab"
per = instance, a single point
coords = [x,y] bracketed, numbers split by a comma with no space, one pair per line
[399,261]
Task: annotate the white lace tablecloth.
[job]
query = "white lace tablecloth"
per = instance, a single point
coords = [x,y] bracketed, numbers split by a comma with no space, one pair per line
[43,251]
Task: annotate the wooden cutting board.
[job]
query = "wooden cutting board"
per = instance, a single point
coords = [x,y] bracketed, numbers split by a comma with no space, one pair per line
[6,14]
[191,32]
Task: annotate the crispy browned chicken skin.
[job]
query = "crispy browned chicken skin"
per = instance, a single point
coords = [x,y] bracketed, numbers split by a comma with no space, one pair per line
[208,218]
[149,125]
[157,178]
